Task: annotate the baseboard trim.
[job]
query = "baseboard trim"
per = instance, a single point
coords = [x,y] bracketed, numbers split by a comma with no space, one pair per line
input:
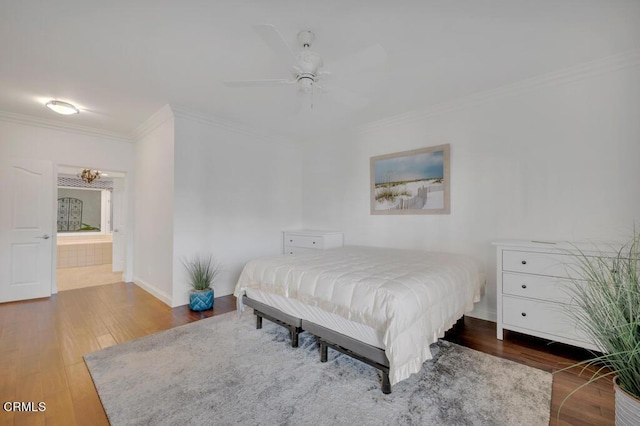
[163,297]
[483,314]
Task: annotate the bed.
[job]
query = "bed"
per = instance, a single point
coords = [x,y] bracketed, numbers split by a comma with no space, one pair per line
[382,306]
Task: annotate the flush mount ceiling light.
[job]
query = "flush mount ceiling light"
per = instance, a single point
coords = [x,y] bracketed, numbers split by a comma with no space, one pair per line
[62,107]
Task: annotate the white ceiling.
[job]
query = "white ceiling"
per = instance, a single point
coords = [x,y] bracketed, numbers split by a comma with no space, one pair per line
[121,61]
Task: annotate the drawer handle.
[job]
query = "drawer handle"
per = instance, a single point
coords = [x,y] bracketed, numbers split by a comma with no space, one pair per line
[524,314]
[524,262]
[524,286]
[290,241]
[314,242]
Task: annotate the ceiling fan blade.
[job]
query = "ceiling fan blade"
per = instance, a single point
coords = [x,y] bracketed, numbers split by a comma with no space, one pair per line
[276,42]
[258,83]
[371,57]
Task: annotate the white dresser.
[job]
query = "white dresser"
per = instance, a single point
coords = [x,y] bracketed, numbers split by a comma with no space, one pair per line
[296,242]
[533,279]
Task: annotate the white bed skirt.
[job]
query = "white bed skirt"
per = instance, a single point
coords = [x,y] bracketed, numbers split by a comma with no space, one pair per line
[334,322]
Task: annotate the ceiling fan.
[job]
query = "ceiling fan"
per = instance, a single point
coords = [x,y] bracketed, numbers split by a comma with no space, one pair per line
[306,71]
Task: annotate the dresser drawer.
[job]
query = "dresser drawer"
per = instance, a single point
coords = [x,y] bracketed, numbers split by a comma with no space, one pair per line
[554,265]
[537,287]
[552,319]
[296,241]
[296,250]
[313,242]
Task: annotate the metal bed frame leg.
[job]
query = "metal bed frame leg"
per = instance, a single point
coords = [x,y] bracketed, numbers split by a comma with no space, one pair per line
[258,321]
[386,384]
[295,331]
[384,369]
[323,352]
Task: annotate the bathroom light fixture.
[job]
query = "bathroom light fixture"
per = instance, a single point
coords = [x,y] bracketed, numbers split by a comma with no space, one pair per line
[89,175]
[62,107]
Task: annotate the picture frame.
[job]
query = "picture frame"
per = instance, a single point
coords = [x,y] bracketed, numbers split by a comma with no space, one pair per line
[411,182]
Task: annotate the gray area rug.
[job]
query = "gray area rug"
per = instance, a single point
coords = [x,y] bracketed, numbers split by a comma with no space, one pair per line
[222,371]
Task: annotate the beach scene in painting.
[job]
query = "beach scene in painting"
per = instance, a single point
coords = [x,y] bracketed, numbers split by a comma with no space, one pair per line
[409,182]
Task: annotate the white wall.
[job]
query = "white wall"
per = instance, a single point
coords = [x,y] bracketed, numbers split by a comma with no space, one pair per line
[558,162]
[154,215]
[73,148]
[235,193]
[207,188]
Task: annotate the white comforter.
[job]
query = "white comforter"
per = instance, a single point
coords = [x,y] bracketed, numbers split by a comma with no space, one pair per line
[410,297]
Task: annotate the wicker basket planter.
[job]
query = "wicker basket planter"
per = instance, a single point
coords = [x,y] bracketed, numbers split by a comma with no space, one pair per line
[627,407]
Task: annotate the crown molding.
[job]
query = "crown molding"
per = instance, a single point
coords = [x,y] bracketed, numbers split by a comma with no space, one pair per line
[150,124]
[612,63]
[225,124]
[29,120]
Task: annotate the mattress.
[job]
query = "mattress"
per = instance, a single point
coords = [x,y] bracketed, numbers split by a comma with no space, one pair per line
[398,300]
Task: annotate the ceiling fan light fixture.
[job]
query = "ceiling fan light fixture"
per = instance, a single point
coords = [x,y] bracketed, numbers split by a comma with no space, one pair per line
[63,108]
[305,83]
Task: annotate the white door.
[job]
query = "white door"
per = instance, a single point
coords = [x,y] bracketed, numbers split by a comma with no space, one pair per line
[119,215]
[26,229]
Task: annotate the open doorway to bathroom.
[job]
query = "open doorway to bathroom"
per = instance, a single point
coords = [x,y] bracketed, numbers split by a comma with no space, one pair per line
[89,244]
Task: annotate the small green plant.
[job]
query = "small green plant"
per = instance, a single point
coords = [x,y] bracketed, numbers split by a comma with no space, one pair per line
[609,298]
[87,227]
[202,272]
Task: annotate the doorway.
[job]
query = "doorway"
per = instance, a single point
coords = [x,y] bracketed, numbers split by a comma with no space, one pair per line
[90,250]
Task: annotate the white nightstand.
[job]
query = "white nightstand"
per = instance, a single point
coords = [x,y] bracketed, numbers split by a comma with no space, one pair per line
[296,242]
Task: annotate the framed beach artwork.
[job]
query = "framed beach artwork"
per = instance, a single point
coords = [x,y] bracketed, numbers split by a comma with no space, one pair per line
[411,182]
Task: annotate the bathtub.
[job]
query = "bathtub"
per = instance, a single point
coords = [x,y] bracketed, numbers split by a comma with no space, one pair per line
[84,250]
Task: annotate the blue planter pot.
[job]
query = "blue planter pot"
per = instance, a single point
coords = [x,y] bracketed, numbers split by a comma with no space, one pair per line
[201,300]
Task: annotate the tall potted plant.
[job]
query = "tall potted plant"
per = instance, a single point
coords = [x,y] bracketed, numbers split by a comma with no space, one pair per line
[609,299]
[202,272]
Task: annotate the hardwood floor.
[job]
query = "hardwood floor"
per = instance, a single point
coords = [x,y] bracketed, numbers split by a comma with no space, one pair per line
[592,405]
[42,343]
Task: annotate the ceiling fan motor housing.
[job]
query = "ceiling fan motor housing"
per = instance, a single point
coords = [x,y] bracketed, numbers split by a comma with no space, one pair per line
[307,64]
